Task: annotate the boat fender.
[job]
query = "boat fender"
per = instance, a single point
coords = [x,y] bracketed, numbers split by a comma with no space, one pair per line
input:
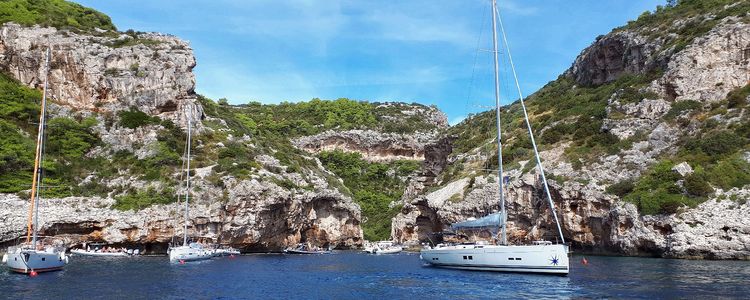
[33,273]
[584,261]
[5,258]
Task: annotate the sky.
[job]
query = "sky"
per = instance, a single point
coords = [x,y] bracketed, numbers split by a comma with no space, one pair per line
[430,52]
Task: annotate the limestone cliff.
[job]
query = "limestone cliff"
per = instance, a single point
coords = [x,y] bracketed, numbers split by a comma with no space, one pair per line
[256,204]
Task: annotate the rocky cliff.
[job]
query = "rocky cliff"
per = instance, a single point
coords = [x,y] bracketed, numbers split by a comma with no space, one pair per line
[108,77]
[642,179]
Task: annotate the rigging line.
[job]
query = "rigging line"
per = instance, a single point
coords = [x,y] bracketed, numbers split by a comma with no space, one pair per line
[528,126]
[474,65]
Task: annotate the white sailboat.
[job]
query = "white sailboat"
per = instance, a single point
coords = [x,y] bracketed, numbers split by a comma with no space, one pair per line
[540,256]
[188,251]
[32,256]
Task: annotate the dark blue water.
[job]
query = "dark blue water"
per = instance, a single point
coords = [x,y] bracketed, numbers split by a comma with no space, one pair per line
[351,275]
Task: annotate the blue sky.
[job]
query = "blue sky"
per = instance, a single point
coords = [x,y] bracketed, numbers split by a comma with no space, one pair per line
[431,52]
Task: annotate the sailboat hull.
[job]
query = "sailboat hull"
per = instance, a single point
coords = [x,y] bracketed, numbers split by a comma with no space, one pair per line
[25,261]
[187,253]
[546,259]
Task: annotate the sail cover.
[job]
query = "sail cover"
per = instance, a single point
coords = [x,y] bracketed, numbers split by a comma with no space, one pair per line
[489,221]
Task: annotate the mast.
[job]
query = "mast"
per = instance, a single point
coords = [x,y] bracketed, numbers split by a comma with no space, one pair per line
[187,184]
[504,240]
[531,132]
[33,222]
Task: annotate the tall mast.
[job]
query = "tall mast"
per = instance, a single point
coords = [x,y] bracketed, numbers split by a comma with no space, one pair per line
[33,219]
[187,184]
[531,132]
[504,240]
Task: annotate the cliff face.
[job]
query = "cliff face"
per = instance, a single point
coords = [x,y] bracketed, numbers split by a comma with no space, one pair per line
[380,144]
[107,73]
[670,71]
[263,206]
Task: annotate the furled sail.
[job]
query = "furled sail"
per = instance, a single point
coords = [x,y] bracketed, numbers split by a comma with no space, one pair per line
[489,221]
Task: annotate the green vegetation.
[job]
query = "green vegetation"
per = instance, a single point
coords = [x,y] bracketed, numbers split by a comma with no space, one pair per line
[680,107]
[142,199]
[372,186]
[717,159]
[55,13]
[133,38]
[135,118]
[315,116]
[659,23]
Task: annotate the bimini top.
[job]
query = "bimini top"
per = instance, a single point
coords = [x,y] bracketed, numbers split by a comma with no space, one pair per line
[490,221]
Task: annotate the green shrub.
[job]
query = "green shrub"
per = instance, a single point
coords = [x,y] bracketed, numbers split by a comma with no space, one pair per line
[680,107]
[721,142]
[373,187]
[621,188]
[657,192]
[69,138]
[738,97]
[696,184]
[145,198]
[135,118]
[54,13]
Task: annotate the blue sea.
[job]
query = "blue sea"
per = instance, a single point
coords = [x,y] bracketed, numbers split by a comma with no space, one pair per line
[354,275]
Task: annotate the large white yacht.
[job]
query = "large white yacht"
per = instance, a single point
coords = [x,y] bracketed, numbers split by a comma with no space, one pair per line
[539,256]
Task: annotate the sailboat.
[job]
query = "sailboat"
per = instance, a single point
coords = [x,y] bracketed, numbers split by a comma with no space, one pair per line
[188,251]
[538,257]
[32,256]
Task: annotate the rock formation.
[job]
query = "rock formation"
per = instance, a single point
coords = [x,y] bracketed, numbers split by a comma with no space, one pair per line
[705,70]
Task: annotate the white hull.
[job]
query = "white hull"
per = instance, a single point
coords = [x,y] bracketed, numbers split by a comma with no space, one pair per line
[103,254]
[225,252]
[187,253]
[393,250]
[25,261]
[549,259]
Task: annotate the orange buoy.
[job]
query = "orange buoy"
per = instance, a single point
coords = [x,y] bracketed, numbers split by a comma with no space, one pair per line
[584,261]
[33,273]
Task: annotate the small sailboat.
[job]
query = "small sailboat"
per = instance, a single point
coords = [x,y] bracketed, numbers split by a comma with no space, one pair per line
[32,256]
[540,256]
[188,251]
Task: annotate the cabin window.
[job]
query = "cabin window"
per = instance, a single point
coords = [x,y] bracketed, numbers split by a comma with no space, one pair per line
[510,258]
[518,258]
[44,258]
[464,256]
[471,258]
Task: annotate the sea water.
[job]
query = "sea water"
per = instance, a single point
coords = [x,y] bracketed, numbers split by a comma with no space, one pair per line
[354,275]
